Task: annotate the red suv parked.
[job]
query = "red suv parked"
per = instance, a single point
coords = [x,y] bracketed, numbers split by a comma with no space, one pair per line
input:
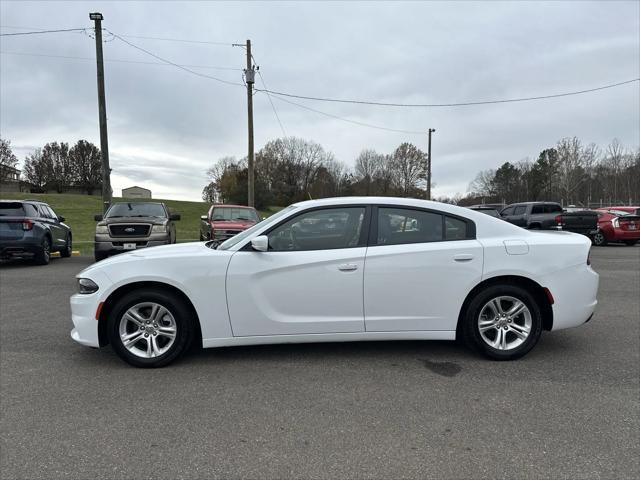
[618,224]
[224,221]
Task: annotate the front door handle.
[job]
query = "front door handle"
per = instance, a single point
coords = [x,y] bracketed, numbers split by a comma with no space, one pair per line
[463,257]
[347,267]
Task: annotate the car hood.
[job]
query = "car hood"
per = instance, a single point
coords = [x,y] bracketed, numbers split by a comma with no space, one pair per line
[119,220]
[175,250]
[233,224]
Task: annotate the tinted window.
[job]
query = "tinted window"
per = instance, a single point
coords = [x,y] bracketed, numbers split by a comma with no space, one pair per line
[507,211]
[537,209]
[11,209]
[397,226]
[319,230]
[455,229]
[230,213]
[553,209]
[136,210]
[44,211]
[52,214]
[519,210]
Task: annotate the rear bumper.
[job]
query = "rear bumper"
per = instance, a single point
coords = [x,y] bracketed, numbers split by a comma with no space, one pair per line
[25,248]
[575,293]
[619,235]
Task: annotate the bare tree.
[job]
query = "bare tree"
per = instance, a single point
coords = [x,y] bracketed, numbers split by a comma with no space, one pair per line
[410,166]
[367,167]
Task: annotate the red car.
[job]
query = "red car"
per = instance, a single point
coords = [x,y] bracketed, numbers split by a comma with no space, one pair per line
[618,224]
[224,221]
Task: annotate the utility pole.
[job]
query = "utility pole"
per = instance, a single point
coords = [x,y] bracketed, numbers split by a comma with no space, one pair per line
[249,75]
[431,130]
[102,114]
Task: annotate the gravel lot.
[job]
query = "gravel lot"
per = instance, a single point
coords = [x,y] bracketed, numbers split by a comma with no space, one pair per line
[395,409]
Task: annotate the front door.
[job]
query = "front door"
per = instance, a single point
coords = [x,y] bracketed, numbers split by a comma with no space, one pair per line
[308,282]
[418,270]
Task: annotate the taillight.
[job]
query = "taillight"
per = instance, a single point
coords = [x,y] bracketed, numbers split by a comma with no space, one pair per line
[549,296]
[558,219]
[615,222]
[27,225]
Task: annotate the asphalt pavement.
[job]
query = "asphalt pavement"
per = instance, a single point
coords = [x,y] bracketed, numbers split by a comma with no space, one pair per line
[569,409]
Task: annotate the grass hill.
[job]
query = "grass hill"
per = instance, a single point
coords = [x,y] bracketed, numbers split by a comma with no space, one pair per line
[79,210]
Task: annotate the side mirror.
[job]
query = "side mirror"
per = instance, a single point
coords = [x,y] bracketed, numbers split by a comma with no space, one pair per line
[61,218]
[97,218]
[260,243]
[174,216]
[204,217]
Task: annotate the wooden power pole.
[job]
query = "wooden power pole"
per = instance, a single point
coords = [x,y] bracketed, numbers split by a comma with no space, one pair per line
[249,75]
[102,114]
[431,130]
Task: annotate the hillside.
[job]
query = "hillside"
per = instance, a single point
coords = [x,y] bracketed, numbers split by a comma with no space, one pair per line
[79,210]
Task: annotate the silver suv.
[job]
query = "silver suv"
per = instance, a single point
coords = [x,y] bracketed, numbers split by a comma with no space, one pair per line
[131,225]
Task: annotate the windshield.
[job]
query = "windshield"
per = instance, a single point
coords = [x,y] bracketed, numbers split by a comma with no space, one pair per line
[234,213]
[250,231]
[136,210]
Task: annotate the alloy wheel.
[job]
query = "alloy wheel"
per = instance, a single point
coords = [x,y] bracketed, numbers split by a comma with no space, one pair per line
[504,323]
[147,330]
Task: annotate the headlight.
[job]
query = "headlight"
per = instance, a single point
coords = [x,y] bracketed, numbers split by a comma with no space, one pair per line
[159,229]
[102,229]
[86,286]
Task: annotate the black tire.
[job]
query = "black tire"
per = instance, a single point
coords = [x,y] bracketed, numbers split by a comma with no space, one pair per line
[68,248]
[471,333]
[631,243]
[201,237]
[599,240]
[99,256]
[43,255]
[180,312]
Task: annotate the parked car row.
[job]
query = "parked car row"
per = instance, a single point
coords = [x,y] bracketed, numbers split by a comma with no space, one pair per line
[602,225]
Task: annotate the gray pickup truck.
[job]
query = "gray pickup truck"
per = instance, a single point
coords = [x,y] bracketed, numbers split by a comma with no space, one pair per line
[131,225]
[550,216]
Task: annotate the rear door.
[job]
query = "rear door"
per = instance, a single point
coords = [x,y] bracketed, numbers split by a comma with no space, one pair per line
[420,265]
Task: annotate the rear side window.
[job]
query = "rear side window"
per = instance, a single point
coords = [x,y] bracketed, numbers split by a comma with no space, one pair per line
[455,229]
[537,209]
[519,210]
[11,209]
[398,226]
[553,209]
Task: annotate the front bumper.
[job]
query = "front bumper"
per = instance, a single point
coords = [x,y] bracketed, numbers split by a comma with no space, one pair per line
[83,315]
[110,245]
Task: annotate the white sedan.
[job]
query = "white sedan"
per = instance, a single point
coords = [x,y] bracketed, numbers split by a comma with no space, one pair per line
[342,269]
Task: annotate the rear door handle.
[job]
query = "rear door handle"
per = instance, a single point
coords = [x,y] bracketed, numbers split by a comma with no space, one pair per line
[347,267]
[463,257]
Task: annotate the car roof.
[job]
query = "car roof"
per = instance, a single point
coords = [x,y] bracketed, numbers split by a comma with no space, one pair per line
[22,201]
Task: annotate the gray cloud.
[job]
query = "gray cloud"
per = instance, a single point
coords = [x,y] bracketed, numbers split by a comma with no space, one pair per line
[167,126]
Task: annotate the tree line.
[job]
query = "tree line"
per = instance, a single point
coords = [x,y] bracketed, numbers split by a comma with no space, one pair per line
[288,170]
[570,172]
[56,166]
[291,169]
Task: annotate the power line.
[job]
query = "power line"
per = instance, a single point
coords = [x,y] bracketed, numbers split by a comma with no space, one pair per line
[272,105]
[35,32]
[355,122]
[172,63]
[182,40]
[460,104]
[28,54]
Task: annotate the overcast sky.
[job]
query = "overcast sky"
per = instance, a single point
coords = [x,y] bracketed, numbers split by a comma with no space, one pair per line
[166,126]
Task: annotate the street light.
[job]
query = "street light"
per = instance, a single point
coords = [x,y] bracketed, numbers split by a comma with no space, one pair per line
[96,16]
[431,130]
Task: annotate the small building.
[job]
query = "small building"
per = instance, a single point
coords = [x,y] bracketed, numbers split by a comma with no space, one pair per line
[136,192]
[9,174]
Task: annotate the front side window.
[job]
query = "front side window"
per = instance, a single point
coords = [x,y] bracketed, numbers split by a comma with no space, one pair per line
[323,229]
[398,226]
[507,211]
[519,210]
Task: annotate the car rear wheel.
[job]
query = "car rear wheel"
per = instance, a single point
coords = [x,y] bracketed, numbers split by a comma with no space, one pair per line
[68,248]
[503,322]
[599,240]
[631,243]
[43,256]
[150,329]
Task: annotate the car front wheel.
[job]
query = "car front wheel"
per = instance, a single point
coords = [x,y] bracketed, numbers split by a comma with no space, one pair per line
[68,248]
[503,322]
[150,329]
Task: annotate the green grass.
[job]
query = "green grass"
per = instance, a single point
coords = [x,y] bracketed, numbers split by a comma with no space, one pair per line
[79,210]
